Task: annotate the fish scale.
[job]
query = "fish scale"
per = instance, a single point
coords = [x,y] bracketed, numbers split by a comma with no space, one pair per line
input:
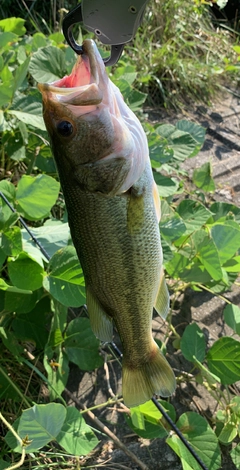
[113,209]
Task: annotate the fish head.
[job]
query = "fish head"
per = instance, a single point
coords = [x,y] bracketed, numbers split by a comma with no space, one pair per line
[74,109]
[89,124]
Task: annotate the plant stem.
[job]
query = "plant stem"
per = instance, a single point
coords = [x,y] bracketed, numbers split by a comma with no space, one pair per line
[174,331]
[107,431]
[9,426]
[18,464]
[111,401]
[13,385]
[214,293]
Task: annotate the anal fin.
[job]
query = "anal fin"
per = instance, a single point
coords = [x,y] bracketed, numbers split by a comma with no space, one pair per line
[101,323]
[161,304]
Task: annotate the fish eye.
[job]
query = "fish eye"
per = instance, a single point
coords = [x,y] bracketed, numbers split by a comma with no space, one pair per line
[65,128]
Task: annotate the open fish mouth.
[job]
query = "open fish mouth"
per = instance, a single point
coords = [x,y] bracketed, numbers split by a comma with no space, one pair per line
[81,87]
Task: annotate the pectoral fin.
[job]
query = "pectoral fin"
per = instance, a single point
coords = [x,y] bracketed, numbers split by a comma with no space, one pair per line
[162,299]
[135,212]
[101,323]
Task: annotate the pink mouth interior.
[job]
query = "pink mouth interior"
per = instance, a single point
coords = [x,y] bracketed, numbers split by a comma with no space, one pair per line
[80,75]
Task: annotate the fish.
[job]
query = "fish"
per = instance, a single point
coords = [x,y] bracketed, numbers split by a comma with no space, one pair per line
[102,157]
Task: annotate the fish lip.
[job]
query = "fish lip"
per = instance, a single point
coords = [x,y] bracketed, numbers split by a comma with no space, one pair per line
[65,94]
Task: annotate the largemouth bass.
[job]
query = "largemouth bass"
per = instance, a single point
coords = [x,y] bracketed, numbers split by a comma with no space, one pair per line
[101,153]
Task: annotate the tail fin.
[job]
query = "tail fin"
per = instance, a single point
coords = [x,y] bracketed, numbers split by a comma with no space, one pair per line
[155,376]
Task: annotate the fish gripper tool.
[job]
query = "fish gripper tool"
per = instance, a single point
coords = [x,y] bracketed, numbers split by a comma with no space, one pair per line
[114,23]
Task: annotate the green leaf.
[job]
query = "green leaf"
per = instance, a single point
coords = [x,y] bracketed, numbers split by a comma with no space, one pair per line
[147,421]
[48,64]
[36,195]
[166,186]
[20,302]
[51,236]
[138,418]
[7,76]
[124,87]
[81,345]
[7,217]
[181,142]
[29,118]
[202,177]
[58,37]
[21,54]
[152,414]
[10,342]
[42,424]
[45,161]
[193,343]
[227,240]
[167,251]
[3,123]
[235,406]
[222,209]
[25,273]
[6,38]
[232,265]
[223,360]
[3,464]
[167,211]
[208,255]
[176,265]
[5,287]
[76,437]
[126,72]
[173,228]
[194,214]
[228,433]
[136,99]
[15,147]
[32,326]
[65,280]
[165,130]
[12,241]
[231,315]
[195,130]
[9,191]
[201,437]
[235,455]
[38,40]
[15,25]
[20,74]
[56,364]
[183,145]
[6,93]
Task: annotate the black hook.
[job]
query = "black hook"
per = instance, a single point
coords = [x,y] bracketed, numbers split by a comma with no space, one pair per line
[73,17]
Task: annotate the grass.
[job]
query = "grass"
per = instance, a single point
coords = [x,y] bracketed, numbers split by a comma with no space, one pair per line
[184,57]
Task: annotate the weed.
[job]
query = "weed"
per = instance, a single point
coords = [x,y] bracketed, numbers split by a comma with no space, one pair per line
[185,54]
[201,252]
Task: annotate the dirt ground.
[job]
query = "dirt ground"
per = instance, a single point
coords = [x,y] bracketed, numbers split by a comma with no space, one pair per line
[222,147]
